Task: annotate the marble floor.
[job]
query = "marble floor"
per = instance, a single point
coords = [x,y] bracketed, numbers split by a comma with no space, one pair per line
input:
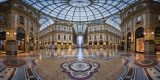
[79,64]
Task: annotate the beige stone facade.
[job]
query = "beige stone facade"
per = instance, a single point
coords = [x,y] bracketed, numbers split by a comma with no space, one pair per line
[102,35]
[141,27]
[61,34]
[19,27]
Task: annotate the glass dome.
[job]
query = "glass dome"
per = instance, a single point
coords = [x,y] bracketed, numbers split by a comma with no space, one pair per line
[79,10]
[45,21]
[2,1]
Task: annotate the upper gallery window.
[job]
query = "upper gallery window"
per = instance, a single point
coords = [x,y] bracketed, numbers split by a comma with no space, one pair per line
[100,36]
[69,29]
[64,37]
[58,37]
[69,37]
[89,37]
[21,20]
[58,28]
[139,19]
[64,28]
[31,26]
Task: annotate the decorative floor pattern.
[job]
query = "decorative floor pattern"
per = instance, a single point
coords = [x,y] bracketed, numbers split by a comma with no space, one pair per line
[80,70]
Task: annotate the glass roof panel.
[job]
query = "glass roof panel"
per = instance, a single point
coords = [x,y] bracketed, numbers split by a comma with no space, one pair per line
[45,21]
[2,1]
[80,8]
[114,21]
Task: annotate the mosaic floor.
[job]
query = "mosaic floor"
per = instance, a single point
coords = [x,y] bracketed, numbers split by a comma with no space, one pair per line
[88,69]
[79,64]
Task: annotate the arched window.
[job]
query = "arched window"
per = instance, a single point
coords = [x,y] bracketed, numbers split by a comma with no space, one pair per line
[100,36]
[64,37]
[21,20]
[58,37]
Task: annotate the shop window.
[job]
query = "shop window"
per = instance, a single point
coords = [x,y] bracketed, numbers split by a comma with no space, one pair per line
[21,20]
[138,19]
[139,36]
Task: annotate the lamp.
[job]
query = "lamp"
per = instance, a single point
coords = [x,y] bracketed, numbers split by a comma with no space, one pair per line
[152,33]
[144,33]
[15,33]
[7,33]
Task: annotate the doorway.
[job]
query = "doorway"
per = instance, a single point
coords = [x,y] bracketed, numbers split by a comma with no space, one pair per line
[139,39]
[20,39]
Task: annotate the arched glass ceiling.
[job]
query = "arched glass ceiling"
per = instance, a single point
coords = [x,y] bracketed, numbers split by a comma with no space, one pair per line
[157,0]
[79,10]
[45,21]
[114,21]
[2,1]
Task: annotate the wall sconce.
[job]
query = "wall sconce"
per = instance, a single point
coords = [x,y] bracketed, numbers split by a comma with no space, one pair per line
[129,37]
[15,33]
[152,33]
[7,33]
[145,33]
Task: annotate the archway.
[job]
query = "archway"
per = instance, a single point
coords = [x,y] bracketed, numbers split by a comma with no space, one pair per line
[20,39]
[139,39]
[95,42]
[128,41]
[101,42]
[80,41]
[157,38]
[90,43]
[31,41]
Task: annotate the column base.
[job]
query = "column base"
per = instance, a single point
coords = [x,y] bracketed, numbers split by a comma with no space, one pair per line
[11,47]
[149,47]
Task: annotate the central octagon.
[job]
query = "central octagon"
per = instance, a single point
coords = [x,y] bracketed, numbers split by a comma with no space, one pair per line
[80,69]
[79,3]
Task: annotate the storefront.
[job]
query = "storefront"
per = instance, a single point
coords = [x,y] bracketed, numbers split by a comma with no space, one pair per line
[2,39]
[157,38]
[139,39]
[20,39]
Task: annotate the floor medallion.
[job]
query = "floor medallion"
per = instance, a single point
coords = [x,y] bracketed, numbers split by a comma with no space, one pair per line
[80,70]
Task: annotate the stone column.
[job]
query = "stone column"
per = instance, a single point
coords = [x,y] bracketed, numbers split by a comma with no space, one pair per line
[11,44]
[149,44]
[27,43]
